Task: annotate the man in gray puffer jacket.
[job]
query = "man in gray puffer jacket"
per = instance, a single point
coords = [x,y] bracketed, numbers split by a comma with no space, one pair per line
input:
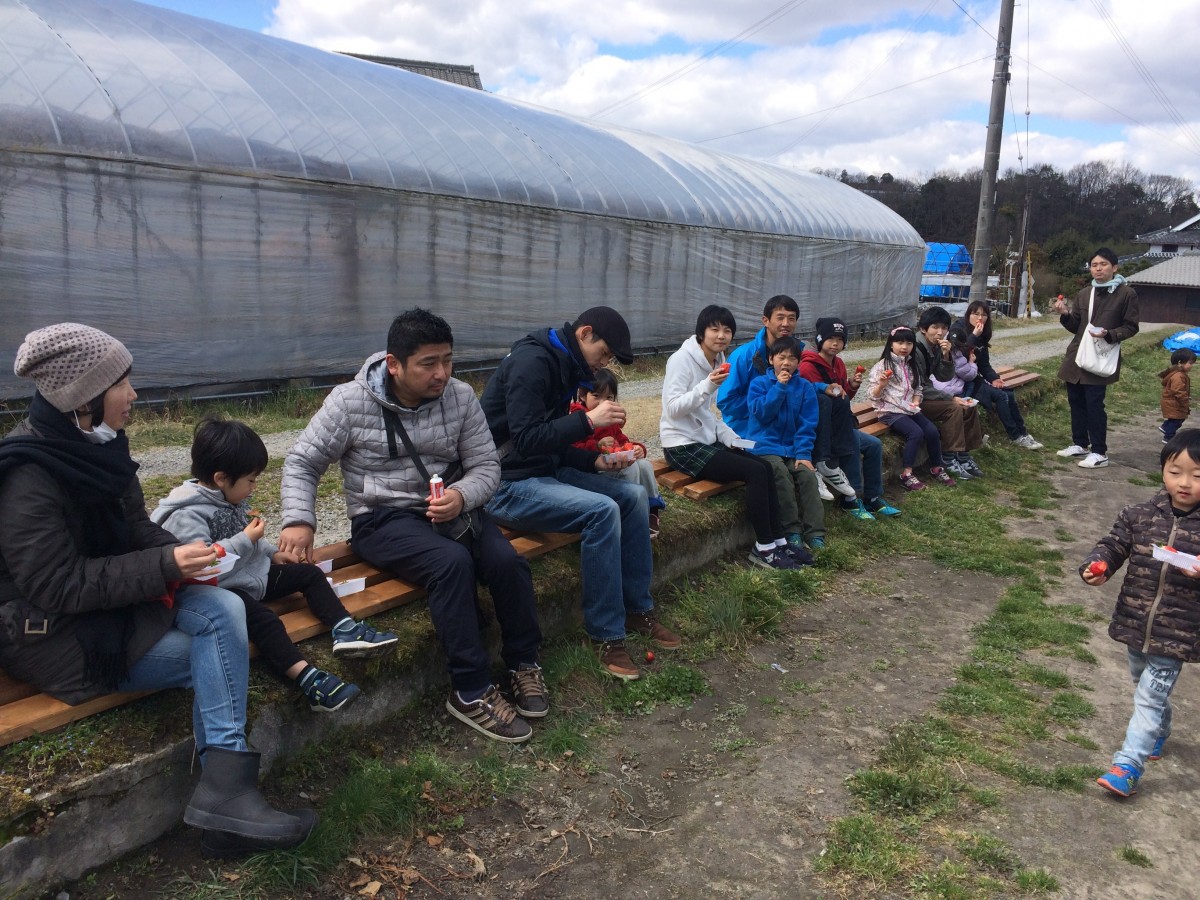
[405,404]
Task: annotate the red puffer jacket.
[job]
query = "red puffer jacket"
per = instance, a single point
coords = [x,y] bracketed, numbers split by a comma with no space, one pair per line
[1158,609]
[612,431]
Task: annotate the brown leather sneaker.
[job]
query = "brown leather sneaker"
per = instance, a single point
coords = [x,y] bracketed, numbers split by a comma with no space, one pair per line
[492,716]
[616,661]
[646,625]
[529,693]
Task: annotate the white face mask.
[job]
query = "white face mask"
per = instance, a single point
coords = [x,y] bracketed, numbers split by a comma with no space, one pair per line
[101,434]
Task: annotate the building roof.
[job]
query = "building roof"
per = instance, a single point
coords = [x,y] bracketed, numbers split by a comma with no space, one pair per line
[120,80]
[1180,271]
[1174,233]
[455,74]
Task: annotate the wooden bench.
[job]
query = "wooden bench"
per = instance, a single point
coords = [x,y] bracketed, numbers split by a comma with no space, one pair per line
[868,422]
[25,711]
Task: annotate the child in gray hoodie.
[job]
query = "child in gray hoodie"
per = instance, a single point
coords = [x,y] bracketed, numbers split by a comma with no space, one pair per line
[213,506]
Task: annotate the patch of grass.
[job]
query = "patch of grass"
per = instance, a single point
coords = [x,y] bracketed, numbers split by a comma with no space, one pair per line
[922,792]
[1080,740]
[1135,857]
[1037,881]
[675,684]
[989,852]
[867,848]
[1063,535]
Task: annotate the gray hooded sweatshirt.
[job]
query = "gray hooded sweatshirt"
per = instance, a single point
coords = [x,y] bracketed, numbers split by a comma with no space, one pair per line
[194,512]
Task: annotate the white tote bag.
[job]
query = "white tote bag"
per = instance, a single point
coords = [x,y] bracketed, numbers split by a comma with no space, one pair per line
[1095,354]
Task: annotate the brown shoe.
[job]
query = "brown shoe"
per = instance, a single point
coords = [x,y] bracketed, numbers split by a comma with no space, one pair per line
[616,660]
[529,693]
[492,716]
[646,625]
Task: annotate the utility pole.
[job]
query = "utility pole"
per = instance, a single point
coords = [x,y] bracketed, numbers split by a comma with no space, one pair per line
[991,156]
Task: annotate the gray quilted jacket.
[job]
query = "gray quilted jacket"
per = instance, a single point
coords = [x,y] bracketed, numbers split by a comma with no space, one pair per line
[348,429]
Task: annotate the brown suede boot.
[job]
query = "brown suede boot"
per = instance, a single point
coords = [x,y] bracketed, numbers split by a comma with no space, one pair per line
[616,661]
[647,625]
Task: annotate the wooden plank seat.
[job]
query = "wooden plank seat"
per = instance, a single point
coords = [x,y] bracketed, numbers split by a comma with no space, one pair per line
[25,711]
[865,415]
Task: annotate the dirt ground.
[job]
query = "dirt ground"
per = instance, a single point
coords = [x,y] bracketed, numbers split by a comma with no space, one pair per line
[731,797]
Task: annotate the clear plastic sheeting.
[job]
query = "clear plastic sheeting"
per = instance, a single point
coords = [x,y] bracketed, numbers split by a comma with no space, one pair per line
[236,207]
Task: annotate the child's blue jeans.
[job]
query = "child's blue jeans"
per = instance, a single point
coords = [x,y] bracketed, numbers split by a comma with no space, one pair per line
[1169,427]
[1153,679]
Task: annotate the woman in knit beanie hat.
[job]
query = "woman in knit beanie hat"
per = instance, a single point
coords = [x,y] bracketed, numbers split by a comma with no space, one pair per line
[95,594]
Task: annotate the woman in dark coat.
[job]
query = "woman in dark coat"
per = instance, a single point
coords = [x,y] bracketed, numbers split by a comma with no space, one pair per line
[93,596]
[1114,318]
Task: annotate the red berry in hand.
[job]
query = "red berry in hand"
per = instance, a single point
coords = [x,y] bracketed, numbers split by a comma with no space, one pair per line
[649,656]
[1099,567]
[724,367]
[219,550]
[858,370]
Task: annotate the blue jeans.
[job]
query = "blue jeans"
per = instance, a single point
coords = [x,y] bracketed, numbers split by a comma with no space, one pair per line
[207,650]
[1000,401]
[614,519]
[1153,679]
[864,469]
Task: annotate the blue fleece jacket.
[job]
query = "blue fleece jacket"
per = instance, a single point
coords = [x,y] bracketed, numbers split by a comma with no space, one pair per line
[783,417]
[746,363]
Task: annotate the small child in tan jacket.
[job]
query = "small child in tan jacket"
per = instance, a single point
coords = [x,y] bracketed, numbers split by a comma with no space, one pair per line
[1176,392]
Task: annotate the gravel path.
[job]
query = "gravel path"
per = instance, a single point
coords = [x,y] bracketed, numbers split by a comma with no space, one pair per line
[1011,346]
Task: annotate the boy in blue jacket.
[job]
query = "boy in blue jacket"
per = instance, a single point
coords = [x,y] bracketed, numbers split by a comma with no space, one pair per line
[783,424]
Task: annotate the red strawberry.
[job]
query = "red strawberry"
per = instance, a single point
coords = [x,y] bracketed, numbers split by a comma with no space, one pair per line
[724,367]
[1099,567]
[219,550]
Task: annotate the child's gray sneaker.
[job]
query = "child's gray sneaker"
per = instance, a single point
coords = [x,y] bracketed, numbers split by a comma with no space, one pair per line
[835,478]
[358,640]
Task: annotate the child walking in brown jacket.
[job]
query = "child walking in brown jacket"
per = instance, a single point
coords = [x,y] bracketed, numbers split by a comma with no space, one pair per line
[1157,615]
[1176,392]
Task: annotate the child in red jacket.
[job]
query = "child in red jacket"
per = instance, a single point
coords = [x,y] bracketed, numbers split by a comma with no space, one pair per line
[610,439]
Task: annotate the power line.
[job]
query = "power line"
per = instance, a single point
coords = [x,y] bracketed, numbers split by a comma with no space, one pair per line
[864,80]
[770,18]
[1146,75]
[846,103]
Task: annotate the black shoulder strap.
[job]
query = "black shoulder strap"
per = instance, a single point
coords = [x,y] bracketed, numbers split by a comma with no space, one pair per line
[393,426]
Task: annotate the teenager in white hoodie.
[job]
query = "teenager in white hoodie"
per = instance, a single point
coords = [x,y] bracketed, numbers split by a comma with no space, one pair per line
[695,441]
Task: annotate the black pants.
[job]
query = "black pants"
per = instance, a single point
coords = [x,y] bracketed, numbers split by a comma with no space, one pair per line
[1089,419]
[406,544]
[264,627]
[762,503]
[835,430]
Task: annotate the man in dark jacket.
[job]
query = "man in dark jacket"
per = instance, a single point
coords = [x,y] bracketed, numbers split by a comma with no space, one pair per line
[546,484]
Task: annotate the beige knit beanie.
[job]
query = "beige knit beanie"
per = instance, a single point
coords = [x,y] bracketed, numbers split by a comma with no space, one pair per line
[71,364]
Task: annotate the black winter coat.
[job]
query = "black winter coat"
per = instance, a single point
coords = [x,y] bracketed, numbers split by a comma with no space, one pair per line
[1158,608]
[48,585]
[527,403]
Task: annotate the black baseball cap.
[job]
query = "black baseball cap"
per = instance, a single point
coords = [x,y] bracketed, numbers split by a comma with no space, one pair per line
[608,325]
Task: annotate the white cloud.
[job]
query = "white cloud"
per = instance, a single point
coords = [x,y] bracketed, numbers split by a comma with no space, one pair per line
[580,57]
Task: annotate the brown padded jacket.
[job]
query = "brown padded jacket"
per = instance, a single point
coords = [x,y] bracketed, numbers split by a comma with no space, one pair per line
[1158,608]
[1176,393]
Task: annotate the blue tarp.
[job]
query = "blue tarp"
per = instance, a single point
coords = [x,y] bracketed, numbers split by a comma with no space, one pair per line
[943,259]
[1181,339]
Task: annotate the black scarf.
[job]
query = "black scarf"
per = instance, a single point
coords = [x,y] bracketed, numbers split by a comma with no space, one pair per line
[96,477]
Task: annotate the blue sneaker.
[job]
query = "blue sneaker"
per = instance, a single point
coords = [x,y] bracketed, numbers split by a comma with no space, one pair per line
[1156,753]
[816,543]
[1120,779]
[326,692]
[358,640]
[855,508]
[881,507]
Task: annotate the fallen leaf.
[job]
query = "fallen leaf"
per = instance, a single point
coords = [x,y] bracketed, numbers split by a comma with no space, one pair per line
[360,880]
[410,876]
[434,840]
[478,869]
[231,876]
[371,889]
[356,861]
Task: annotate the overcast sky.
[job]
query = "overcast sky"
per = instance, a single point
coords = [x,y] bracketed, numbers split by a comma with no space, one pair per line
[867,85]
